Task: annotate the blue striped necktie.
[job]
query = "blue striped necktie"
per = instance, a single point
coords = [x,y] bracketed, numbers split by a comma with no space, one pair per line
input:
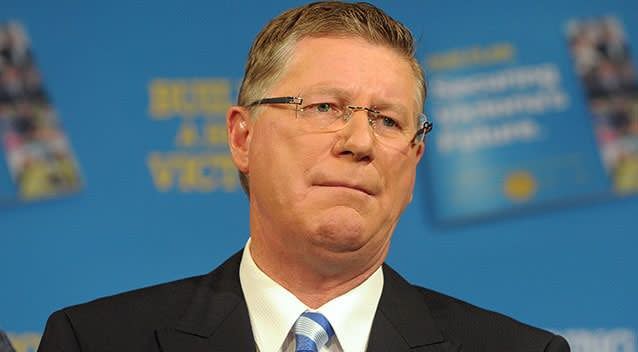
[312,331]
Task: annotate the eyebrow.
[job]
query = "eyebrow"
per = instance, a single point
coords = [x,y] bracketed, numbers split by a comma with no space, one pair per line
[327,90]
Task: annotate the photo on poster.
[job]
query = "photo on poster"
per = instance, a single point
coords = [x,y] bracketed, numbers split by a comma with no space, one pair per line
[39,159]
[603,62]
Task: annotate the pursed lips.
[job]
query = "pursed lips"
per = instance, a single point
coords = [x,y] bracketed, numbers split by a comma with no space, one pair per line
[357,187]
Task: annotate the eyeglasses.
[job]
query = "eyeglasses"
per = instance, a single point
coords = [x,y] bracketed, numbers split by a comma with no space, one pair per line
[327,115]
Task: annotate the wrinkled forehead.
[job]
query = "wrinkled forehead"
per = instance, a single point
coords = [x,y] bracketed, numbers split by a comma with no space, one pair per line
[413,75]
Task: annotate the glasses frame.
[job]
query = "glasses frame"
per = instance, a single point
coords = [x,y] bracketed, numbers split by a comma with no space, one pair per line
[426,125]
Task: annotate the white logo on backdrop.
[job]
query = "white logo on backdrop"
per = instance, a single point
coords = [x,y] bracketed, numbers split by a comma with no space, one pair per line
[600,340]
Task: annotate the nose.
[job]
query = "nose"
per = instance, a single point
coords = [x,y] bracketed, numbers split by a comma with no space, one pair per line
[356,138]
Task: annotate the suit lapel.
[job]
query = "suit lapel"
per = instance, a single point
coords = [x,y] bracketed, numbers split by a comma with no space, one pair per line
[217,318]
[403,321]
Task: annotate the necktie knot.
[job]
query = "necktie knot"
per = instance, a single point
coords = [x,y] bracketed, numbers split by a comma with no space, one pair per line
[312,331]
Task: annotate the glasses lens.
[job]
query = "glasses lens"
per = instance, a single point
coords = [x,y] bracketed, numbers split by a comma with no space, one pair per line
[320,115]
[327,113]
[394,136]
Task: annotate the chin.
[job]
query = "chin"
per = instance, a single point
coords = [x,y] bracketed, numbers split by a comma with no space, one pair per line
[342,232]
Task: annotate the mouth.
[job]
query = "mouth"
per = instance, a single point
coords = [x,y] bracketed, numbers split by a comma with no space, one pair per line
[354,187]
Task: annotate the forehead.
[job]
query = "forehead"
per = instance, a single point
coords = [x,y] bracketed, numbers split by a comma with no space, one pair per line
[365,71]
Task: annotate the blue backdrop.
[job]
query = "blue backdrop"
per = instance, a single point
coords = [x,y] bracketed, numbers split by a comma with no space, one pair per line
[141,89]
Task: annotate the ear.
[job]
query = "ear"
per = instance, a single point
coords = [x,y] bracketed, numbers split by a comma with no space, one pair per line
[238,127]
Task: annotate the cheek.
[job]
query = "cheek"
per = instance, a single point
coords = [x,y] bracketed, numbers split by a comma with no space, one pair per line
[399,183]
[282,159]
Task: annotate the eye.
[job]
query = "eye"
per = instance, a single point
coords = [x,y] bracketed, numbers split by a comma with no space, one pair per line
[389,122]
[323,107]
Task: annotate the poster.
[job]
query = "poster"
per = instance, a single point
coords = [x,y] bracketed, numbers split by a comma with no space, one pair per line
[38,160]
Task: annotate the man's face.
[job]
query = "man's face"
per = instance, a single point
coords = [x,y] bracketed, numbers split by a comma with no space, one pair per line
[340,192]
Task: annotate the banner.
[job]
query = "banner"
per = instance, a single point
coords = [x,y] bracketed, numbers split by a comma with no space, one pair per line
[521,126]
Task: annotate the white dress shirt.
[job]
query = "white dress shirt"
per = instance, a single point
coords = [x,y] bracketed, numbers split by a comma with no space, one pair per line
[273,311]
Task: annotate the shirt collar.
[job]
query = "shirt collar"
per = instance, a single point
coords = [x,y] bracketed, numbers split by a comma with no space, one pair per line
[273,310]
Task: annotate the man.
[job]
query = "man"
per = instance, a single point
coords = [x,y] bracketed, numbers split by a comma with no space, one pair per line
[327,135]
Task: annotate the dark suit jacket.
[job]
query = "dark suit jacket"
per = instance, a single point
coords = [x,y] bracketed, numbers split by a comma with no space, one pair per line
[5,344]
[209,313]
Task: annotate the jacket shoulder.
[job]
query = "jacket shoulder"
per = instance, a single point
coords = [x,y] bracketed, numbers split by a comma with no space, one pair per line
[130,321]
[480,329]
[149,303]
[131,316]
